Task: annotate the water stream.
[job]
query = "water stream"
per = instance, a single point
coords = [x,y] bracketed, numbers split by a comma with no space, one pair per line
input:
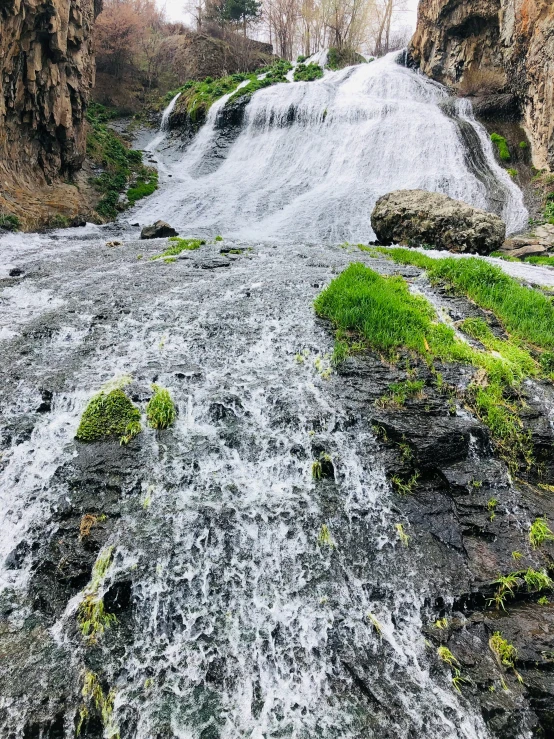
[248,619]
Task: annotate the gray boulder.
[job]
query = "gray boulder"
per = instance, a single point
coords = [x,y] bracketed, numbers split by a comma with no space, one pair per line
[418,217]
[158,230]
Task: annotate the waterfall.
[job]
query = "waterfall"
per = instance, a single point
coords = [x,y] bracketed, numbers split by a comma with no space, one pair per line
[312,158]
[167,112]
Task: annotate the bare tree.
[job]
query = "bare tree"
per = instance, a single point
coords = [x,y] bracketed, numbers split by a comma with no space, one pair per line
[384,11]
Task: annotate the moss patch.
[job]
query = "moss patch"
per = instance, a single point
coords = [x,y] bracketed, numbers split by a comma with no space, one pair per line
[501,146]
[109,415]
[340,58]
[177,246]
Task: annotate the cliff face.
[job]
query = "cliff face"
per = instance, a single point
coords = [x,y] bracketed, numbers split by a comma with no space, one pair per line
[46,73]
[511,41]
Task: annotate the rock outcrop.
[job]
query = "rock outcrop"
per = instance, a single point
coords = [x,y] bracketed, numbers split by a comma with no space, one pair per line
[500,48]
[416,217]
[46,73]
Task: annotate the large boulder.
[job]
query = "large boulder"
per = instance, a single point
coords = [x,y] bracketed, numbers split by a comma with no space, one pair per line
[158,230]
[418,217]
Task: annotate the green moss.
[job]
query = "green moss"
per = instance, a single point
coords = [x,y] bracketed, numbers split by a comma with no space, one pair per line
[96,700]
[218,238]
[512,172]
[340,58]
[109,415]
[501,146]
[523,145]
[301,59]
[544,260]
[92,617]
[179,245]
[160,411]
[274,74]
[9,222]
[307,72]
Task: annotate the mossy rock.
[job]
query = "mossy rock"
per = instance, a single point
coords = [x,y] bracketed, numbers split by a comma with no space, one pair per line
[109,415]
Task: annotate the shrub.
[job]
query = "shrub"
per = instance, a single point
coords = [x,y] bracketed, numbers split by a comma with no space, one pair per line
[308,72]
[502,146]
[9,222]
[109,415]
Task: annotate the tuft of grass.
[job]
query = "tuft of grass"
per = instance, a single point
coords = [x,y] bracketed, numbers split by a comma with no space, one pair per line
[501,146]
[160,411]
[108,415]
[537,580]
[177,246]
[324,537]
[506,584]
[506,652]
[376,625]
[307,72]
[405,487]
[218,238]
[399,392]
[539,532]
[95,699]
[512,172]
[9,222]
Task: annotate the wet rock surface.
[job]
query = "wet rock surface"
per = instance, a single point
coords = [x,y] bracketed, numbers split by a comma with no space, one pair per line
[158,230]
[232,565]
[414,217]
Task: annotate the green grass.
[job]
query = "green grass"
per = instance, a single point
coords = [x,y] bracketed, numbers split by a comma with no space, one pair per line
[109,415]
[525,313]
[160,411]
[307,72]
[547,261]
[387,317]
[178,245]
[399,392]
[121,164]
[512,172]
[539,533]
[9,222]
[501,146]
[505,651]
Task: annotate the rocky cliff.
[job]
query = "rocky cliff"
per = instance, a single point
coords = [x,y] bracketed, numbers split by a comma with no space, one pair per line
[500,46]
[46,73]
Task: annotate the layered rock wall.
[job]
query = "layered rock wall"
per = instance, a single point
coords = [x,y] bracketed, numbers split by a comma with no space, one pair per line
[508,44]
[46,74]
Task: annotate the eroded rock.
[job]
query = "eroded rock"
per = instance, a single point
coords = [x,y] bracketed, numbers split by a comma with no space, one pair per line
[416,217]
[158,230]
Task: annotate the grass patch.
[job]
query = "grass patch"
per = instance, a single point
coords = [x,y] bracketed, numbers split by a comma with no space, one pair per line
[160,411]
[92,617]
[501,146]
[307,72]
[178,245]
[506,652]
[9,222]
[109,415]
[399,392]
[121,165]
[383,312]
[539,533]
[547,261]
[95,700]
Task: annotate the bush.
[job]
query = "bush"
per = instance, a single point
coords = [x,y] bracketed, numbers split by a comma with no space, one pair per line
[308,72]
[502,146]
[340,58]
[9,222]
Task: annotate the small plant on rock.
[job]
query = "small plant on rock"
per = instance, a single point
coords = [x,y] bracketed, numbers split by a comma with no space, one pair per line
[324,538]
[405,487]
[505,652]
[539,532]
[160,411]
[109,414]
[402,535]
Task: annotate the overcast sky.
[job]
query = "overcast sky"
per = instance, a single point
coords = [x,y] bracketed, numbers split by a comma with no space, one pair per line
[176,12]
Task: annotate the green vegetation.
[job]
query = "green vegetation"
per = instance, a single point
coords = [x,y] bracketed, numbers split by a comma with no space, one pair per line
[340,58]
[399,392]
[402,535]
[502,146]
[376,625]
[523,145]
[160,411]
[324,538]
[537,580]
[308,72]
[548,261]
[108,415]
[506,652]
[177,246]
[446,656]
[94,698]
[491,507]
[274,74]
[405,487]
[9,222]
[512,172]
[91,614]
[121,165]
[219,238]
[387,317]
[301,59]
[534,580]
[539,533]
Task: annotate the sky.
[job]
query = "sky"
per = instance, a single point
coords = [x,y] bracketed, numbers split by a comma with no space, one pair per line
[175,10]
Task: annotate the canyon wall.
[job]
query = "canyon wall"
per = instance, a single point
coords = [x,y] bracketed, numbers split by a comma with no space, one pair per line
[46,74]
[507,44]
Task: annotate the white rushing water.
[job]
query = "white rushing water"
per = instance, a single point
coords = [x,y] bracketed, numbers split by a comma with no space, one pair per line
[312,158]
[246,622]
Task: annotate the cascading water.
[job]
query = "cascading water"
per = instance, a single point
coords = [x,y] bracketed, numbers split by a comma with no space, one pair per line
[312,158]
[248,587]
